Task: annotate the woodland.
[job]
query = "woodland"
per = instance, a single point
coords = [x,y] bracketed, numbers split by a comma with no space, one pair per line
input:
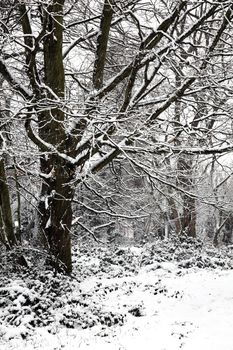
[116,122]
[116,164]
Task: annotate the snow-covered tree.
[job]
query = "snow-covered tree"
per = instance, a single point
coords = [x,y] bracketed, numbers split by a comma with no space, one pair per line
[93,81]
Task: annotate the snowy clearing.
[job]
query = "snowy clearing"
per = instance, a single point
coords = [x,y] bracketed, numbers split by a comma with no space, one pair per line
[160,305]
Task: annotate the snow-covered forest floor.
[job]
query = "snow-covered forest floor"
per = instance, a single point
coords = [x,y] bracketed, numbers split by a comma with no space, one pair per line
[162,295]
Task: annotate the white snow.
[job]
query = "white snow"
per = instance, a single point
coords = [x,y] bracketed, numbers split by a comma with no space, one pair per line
[185,309]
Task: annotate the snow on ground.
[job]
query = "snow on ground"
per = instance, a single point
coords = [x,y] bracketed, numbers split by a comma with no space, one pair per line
[164,307]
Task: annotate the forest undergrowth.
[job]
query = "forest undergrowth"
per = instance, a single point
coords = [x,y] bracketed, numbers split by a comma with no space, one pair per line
[35,296]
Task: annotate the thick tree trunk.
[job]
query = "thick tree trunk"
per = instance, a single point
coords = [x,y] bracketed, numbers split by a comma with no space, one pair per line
[56,193]
[56,212]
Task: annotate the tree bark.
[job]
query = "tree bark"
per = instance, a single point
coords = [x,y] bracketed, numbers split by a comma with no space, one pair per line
[56,193]
[102,43]
[5,209]
[185,180]
[7,234]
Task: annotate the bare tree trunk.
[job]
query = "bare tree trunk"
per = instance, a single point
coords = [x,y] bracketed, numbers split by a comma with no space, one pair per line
[174,215]
[188,220]
[6,223]
[2,233]
[56,193]
[185,180]
[18,198]
[102,42]
[189,216]
[56,213]
[5,208]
